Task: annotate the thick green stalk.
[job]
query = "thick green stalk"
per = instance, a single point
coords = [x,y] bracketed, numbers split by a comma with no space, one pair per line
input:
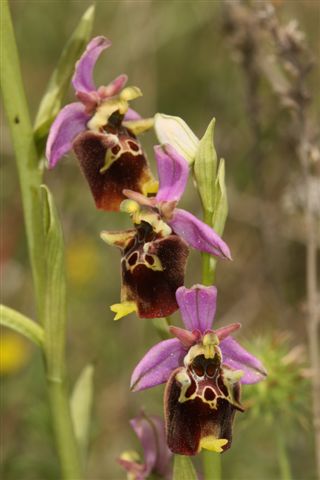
[63,430]
[30,174]
[30,177]
[208,262]
[211,461]
[211,465]
[283,461]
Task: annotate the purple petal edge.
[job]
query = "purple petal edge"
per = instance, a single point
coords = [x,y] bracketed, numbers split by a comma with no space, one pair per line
[173,171]
[197,306]
[82,80]
[157,365]
[198,235]
[147,438]
[70,121]
[237,358]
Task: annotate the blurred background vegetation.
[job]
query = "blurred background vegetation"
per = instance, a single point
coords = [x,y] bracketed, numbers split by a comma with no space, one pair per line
[181,54]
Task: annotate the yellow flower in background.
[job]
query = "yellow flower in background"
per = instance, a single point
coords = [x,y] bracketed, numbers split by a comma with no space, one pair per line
[82,261]
[15,352]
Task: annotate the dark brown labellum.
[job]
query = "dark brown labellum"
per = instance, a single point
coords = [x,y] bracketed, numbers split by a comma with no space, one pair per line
[200,402]
[111,169]
[152,270]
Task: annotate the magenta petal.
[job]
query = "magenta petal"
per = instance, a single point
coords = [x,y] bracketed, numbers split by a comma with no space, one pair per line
[224,332]
[148,440]
[186,337]
[82,80]
[151,433]
[173,173]
[237,358]
[198,235]
[132,115]
[70,121]
[114,87]
[197,306]
[157,365]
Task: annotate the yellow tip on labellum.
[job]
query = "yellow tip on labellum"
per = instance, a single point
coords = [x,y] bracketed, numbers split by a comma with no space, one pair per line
[149,187]
[122,309]
[213,444]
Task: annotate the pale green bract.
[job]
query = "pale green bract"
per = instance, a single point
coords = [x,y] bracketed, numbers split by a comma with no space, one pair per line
[81,405]
[55,287]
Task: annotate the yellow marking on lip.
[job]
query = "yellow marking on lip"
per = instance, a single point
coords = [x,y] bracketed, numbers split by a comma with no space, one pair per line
[122,309]
[213,444]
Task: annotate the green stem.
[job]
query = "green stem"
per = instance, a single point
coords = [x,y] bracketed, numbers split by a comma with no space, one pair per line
[211,461]
[211,465]
[208,262]
[283,460]
[30,174]
[30,178]
[63,430]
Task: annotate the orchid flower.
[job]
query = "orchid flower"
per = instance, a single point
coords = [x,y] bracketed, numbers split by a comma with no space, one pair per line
[151,433]
[101,129]
[155,252]
[203,369]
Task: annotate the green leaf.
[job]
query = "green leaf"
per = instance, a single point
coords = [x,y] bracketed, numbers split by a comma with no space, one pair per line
[220,212]
[21,324]
[81,405]
[55,288]
[183,468]
[205,169]
[175,131]
[60,79]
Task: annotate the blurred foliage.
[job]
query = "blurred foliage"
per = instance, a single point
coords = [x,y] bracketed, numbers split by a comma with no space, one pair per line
[178,54]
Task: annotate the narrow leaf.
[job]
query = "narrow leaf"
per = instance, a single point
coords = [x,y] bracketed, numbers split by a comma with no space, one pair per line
[205,169]
[81,404]
[60,79]
[55,291]
[21,324]
[183,468]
